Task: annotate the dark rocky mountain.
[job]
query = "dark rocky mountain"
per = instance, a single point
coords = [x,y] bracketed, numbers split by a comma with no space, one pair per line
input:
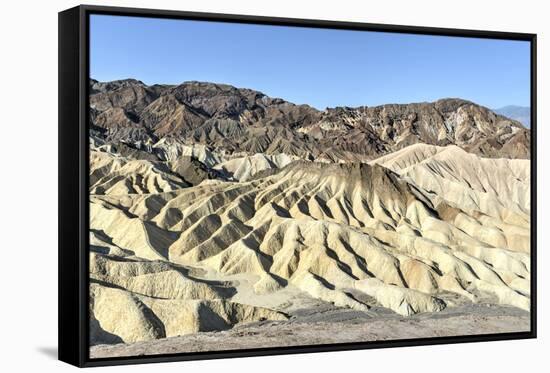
[243,120]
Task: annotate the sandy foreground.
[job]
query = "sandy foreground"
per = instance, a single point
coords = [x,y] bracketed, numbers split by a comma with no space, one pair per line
[326,324]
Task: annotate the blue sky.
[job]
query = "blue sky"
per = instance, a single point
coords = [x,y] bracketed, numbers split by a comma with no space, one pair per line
[319,67]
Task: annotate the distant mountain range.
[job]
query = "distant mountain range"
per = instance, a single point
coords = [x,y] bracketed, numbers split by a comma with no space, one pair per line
[520,113]
[241,120]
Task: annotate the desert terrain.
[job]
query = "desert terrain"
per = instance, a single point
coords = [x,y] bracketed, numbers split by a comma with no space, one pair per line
[221,218]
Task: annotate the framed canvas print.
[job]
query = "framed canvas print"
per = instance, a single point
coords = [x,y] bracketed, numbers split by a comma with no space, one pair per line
[235,186]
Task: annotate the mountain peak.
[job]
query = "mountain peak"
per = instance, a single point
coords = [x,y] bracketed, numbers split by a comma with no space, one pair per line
[520,113]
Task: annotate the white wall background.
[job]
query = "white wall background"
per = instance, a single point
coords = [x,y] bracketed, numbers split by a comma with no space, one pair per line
[28,183]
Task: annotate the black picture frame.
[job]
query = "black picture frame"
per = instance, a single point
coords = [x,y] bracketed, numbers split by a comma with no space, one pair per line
[73,183]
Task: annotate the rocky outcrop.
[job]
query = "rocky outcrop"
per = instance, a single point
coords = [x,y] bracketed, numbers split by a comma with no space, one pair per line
[244,120]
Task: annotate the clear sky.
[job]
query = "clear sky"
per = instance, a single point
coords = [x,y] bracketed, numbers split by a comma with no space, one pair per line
[319,67]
